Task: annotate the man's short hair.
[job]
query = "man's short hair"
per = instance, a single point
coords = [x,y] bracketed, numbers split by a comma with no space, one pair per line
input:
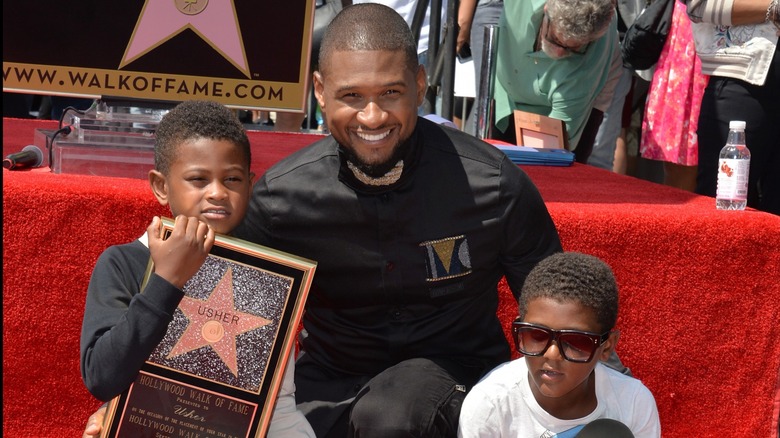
[580,20]
[368,26]
[194,119]
[573,276]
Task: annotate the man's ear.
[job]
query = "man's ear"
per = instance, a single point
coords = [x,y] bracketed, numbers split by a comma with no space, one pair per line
[159,186]
[318,88]
[609,345]
[422,84]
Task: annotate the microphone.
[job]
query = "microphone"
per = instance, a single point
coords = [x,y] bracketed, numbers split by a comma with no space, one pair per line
[30,156]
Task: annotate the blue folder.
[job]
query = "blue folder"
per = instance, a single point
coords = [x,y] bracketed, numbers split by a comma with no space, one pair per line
[537,156]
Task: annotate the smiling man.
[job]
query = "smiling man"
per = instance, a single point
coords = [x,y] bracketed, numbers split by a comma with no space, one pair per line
[412,226]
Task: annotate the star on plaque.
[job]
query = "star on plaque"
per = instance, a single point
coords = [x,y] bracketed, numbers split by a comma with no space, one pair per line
[216,322]
[215,21]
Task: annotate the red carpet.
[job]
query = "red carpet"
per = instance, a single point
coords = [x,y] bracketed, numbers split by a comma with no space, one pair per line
[700,296]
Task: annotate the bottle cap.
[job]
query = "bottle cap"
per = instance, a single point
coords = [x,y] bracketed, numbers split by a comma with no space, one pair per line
[737,124]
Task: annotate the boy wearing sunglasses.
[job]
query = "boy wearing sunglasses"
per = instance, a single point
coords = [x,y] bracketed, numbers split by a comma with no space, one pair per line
[568,309]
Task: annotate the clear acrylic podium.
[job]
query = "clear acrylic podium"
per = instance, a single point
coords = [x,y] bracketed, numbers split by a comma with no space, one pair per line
[109,139]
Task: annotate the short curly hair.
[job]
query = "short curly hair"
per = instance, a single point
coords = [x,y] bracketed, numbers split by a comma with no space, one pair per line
[195,119]
[580,20]
[573,276]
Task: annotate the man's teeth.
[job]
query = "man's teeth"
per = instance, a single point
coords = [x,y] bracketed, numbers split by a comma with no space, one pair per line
[374,137]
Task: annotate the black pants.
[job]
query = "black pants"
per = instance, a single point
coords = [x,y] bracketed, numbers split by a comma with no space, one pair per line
[727,99]
[415,398]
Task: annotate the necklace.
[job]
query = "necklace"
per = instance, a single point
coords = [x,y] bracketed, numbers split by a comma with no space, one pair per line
[385,180]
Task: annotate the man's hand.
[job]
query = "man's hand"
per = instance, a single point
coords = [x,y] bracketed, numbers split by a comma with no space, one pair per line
[95,423]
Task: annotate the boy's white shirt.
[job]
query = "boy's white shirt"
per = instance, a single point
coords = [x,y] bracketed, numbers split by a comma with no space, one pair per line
[287,420]
[502,405]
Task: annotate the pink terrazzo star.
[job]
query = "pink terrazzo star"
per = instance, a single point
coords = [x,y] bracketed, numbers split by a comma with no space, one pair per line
[213,20]
[216,322]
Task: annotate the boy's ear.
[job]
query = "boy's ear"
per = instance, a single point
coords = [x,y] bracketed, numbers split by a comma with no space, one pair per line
[609,345]
[251,186]
[159,186]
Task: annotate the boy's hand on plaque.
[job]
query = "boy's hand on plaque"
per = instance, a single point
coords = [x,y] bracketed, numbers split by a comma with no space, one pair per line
[95,423]
[178,258]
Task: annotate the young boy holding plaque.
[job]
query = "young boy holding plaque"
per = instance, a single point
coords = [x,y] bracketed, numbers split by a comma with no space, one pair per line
[202,160]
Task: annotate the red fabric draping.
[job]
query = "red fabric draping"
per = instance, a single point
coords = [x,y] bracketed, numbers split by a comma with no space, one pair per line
[700,299]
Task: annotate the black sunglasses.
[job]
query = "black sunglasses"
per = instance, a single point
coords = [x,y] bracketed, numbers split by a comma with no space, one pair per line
[574,345]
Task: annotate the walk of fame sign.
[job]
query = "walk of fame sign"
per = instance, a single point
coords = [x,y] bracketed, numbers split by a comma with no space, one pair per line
[241,53]
[218,370]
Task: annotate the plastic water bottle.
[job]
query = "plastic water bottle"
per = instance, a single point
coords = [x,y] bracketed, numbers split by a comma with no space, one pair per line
[733,170]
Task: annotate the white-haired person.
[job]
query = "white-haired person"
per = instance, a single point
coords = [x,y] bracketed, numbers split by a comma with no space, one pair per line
[557,58]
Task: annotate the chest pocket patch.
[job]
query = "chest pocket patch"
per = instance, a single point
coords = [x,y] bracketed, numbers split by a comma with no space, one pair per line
[446,258]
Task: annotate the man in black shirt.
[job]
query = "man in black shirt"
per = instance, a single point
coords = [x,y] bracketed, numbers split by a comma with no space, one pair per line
[412,226]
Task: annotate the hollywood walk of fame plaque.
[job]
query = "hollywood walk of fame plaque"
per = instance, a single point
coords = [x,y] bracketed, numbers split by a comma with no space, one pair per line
[220,365]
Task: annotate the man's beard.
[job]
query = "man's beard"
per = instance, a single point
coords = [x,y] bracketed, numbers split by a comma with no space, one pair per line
[376,170]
